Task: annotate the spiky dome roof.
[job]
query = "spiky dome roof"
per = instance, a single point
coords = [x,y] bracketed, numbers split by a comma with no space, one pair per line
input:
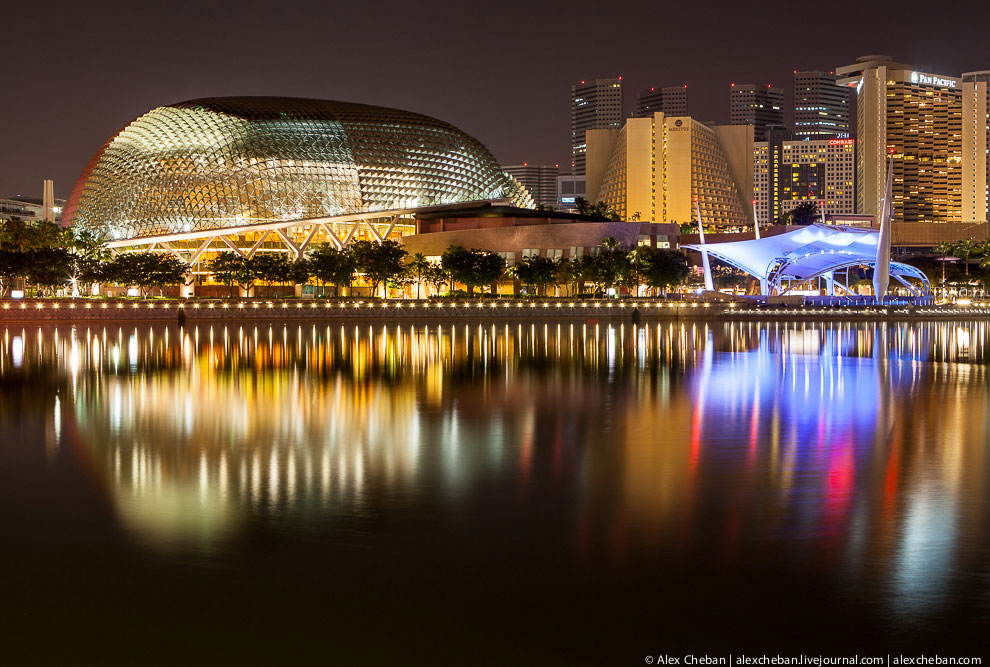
[229,161]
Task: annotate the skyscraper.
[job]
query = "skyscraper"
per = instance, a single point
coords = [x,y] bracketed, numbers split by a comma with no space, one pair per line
[595,105]
[540,180]
[759,106]
[821,106]
[670,100]
[768,172]
[919,118]
[790,172]
[976,156]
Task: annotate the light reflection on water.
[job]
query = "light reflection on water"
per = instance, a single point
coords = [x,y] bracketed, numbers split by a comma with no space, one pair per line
[856,453]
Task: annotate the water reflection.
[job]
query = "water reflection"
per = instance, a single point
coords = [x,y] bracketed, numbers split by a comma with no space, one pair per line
[859,451]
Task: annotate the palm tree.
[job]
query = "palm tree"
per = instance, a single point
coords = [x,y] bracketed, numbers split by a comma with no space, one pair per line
[944,249]
[966,248]
[419,264]
[984,251]
[609,243]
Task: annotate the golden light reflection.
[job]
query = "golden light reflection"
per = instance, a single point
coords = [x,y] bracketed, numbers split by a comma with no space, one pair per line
[866,441]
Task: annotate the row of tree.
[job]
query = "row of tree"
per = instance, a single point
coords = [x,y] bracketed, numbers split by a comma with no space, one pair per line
[966,250]
[52,269]
[387,264]
[380,265]
[50,258]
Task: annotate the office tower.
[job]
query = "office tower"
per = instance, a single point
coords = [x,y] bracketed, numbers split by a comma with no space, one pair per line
[595,105]
[791,172]
[759,106]
[821,106]
[976,146]
[648,102]
[919,118]
[540,180]
[671,101]
[653,168]
[768,177]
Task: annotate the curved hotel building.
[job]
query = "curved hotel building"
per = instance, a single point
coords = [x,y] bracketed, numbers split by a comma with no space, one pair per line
[655,168]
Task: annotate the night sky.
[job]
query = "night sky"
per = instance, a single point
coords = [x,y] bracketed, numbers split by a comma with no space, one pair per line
[73,74]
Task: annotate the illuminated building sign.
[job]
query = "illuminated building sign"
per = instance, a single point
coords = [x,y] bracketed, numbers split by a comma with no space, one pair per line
[932,80]
[840,142]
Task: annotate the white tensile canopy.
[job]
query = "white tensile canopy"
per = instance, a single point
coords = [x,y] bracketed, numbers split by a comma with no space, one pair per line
[808,253]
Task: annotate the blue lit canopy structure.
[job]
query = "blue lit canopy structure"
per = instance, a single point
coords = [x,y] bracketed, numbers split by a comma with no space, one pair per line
[817,251]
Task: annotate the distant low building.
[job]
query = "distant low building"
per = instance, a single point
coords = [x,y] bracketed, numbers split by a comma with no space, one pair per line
[570,188]
[539,179]
[29,209]
[517,233]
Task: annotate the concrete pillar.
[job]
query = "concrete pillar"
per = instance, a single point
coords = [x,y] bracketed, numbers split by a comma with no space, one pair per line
[299,290]
[830,283]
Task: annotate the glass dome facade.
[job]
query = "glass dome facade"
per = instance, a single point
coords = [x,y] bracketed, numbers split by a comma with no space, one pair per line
[234,161]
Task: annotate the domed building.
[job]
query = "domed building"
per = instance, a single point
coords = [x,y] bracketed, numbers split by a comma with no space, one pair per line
[252,173]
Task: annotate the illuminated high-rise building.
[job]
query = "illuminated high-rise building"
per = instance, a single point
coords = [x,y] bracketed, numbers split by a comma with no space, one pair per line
[768,175]
[759,106]
[595,105]
[929,123]
[821,106]
[670,100]
[653,170]
[787,173]
[976,146]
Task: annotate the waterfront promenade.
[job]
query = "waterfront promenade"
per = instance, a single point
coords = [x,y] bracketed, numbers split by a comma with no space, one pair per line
[222,311]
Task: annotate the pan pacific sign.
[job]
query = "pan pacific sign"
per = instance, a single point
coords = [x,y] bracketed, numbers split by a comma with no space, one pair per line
[932,80]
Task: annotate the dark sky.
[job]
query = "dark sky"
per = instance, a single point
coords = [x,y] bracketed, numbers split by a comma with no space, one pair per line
[74,73]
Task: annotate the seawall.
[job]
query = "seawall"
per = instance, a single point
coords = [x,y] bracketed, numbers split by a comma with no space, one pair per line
[195,311]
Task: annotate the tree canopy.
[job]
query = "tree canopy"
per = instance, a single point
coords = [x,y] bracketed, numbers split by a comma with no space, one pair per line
[538,271]
[473,268]
[379,262]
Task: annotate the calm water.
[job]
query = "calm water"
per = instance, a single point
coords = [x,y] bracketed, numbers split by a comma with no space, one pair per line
[492,494]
